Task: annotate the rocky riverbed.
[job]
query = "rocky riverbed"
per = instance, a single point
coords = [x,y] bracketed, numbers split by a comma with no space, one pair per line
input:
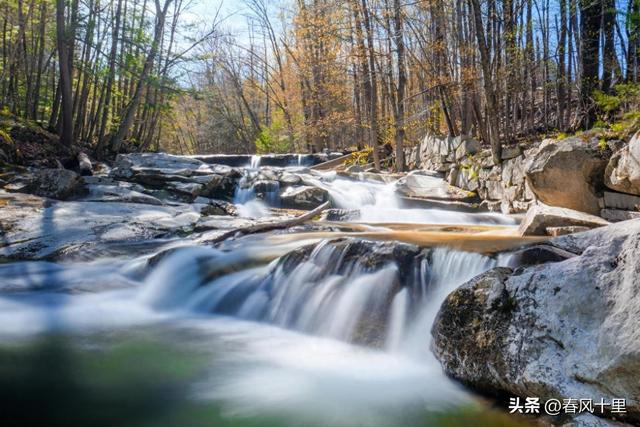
[157,240]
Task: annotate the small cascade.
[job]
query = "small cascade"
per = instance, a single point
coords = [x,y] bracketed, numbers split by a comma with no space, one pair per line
[255,161]
[376,294]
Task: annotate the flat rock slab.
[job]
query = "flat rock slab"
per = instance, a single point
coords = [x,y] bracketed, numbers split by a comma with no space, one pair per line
[38,228]
[431,187]
[541,217]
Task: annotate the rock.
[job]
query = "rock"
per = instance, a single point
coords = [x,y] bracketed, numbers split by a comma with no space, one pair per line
[84,164]
[466,147]
[569,174]
[623,170]
[289,179]
[395,265]
[492,205]
[563,231]
[303,197]
[119,192]
[495,191]
[219,207]
[617,215]
[621,201]
[431,187]
[354,169]
[37,228]
[189,189]
[538,254]
[541,217]
[558,330]
[340,215]
[511,152]
[264,186]
[60,184]
[125,164]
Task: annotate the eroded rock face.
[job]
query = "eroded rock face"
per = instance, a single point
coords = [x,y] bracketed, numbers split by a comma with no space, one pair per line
[556,330]
[623,170]
[569,174]
[540,218]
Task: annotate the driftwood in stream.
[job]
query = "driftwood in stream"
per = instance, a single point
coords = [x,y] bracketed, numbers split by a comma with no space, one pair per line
[331,164]
[268,226]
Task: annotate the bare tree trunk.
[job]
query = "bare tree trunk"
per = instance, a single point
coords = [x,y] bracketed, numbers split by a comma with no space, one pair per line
[64,61]
[127,119]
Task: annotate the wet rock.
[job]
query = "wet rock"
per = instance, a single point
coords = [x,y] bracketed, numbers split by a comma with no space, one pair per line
[115,191]
[289,179]
[219,207]
[555,330]
[38,228]
[623,170]
[341,215]
[303,197]
[540,217]
[125,163]
[569,174]
[340,259]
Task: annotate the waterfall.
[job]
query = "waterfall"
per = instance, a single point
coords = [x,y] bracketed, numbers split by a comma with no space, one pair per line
[255,161]
[350,292]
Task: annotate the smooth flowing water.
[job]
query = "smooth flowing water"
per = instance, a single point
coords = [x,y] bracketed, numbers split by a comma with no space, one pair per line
[301,332]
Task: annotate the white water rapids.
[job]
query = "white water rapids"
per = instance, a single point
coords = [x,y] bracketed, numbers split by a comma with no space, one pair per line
[317,338]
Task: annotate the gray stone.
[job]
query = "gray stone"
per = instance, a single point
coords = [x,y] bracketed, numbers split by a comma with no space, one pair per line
[431,187]
[289,179]
[617,215]
[466,147]
[60,184]
[623,171]
[303,197]
[563,231]
[511,152]
[341,215]
[556,330]
[621,201]
[541,217]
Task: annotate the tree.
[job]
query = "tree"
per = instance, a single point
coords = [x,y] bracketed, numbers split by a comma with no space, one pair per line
[65,61]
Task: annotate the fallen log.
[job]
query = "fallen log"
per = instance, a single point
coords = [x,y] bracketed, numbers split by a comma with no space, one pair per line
[269,226]
[331,164]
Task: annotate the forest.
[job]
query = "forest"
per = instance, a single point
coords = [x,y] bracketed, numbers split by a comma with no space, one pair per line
[309,75]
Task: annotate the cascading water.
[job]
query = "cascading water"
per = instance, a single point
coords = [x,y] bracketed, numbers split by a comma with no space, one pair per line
[322,333]
[353,291]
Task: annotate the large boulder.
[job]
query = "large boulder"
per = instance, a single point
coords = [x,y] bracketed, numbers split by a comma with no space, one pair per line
[303,197]
[569,174]
[623,170]
[563,329]
[61,184]
[541,217]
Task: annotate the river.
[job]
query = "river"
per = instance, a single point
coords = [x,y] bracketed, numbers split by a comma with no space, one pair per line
[300,329]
